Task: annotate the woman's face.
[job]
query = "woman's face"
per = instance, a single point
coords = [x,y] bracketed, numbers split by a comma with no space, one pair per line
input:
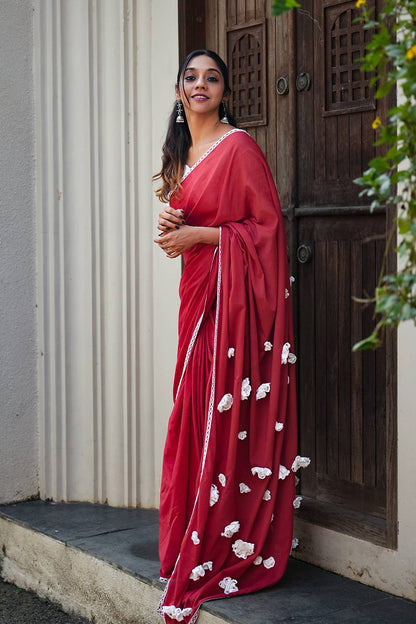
[202,87]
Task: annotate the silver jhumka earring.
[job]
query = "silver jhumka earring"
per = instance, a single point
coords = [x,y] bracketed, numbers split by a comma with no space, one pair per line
[224,118]
[179,109]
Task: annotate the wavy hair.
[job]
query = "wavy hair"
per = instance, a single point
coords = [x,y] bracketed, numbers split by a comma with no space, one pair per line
[178,138]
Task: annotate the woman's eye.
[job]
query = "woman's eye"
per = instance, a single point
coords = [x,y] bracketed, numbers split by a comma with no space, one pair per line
[212,78]
[190,77]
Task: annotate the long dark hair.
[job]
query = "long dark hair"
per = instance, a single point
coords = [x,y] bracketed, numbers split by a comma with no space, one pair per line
[178,138]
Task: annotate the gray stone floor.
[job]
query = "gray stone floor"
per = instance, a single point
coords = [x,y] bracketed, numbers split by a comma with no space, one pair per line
[128,539]
[21,607]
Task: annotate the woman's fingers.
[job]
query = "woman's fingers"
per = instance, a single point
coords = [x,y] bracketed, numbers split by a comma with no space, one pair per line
[170,218]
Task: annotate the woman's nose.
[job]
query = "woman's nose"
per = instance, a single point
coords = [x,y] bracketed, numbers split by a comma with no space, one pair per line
[200,82]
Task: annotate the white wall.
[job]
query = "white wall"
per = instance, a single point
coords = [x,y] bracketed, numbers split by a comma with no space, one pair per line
[19,437]
[104,76]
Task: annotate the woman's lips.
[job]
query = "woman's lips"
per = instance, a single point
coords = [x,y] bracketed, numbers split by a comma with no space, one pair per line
[200,98]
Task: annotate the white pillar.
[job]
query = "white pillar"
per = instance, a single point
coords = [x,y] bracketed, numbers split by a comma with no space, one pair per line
[104,75]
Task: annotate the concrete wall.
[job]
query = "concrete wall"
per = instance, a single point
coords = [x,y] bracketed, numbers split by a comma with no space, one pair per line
[19,436]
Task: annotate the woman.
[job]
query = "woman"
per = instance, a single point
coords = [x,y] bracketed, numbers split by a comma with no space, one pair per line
[228,483]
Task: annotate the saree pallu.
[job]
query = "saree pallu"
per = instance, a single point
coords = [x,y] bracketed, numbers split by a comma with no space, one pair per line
[228,483]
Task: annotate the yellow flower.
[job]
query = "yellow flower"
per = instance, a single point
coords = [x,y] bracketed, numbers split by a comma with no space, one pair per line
[411,53]
[376,123]
[360,3]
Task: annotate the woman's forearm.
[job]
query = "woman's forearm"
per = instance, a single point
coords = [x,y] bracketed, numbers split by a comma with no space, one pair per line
[207,235]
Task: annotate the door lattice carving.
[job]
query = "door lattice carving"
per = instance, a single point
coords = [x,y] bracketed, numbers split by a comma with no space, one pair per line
[246,60]
[347,88]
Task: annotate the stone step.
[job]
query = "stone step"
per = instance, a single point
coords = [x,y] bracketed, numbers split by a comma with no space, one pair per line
[101,563]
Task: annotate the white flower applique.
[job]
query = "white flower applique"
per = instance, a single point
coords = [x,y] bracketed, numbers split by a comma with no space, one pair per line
[268,346]
[285,352]
[199,571]
[243,549]
[222,479]
[258,560]
[295,543]
[286,293]
[297,501]
[278,426]
[231,528]
[228,584]
[283,472]
[176,613]
[195,538]
[262,473]
[214,495]
[231,352]
[292,280]
[244,489]
[242,435]
[225,403]
[300,462]
[267,495]
[269,563]
[245,389]
[288,357]
[262,391]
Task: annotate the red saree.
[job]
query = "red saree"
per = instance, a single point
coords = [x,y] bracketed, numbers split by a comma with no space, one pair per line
[226,508]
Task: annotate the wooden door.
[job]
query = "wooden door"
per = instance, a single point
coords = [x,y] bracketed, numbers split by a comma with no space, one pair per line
[298,89]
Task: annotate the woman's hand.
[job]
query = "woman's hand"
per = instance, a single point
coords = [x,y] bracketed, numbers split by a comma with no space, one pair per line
[175,241]
[170,219]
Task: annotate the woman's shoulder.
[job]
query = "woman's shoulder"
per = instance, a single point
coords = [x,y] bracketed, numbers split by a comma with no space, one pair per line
[241,140]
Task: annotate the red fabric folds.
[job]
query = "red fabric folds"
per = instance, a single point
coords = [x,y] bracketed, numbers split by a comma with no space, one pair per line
[226,517]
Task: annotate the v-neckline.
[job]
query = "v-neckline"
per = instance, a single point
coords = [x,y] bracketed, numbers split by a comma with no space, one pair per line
[188,169]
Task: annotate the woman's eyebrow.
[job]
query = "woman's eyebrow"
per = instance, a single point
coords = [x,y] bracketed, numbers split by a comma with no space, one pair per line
[209,69]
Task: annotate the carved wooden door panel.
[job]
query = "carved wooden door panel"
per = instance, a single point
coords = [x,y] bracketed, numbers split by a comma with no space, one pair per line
[298,90]
[345,399]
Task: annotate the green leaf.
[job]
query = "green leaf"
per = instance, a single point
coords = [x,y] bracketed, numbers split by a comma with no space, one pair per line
[372,342]
[280,6]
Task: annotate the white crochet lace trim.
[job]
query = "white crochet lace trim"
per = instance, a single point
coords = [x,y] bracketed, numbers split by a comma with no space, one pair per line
[189,170]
